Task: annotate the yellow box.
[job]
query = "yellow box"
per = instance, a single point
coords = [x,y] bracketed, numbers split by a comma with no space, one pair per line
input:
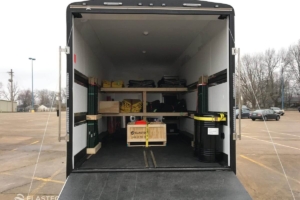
[117,84]
[106,84]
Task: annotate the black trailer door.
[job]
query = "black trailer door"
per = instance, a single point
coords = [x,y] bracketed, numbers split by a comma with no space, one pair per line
[154,185]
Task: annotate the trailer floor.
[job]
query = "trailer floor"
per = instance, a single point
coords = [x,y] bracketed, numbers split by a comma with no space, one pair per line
[150,185]
[115,154]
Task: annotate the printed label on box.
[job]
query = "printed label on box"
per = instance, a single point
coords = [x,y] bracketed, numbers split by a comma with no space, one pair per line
[213,131]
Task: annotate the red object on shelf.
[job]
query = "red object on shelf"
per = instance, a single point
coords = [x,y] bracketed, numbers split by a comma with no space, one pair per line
[141,122]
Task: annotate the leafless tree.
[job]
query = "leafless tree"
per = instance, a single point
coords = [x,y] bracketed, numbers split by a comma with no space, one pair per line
[25,96]
[45,97]
[294,51]
[10,92]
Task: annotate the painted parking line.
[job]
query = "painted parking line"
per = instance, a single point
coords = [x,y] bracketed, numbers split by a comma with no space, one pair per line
[35,178]
[272,143]
[281,138]
[36,190]
[266,167]
[34,142]
[281,133]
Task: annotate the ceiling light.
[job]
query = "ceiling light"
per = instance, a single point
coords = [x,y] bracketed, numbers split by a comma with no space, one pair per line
[144,52]
[146,33]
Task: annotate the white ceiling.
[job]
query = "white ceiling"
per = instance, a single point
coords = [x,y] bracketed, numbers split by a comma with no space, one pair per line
[121,36]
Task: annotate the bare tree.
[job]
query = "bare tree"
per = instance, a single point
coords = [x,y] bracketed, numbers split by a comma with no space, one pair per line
[294,51]
[10,92]
[1,90]
[25,96]
[46,97]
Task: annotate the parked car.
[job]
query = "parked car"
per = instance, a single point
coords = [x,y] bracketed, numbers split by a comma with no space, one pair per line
[245,113]
[264,115]
[277,110]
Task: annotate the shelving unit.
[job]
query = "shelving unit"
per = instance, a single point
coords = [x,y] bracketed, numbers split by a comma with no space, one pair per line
[144,91]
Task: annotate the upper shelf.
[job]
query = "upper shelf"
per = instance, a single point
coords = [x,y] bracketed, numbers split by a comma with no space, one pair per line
[144,90]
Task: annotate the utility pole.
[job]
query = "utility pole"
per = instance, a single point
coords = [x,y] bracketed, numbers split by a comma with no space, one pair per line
[32,100]
[11,73]
[282,89]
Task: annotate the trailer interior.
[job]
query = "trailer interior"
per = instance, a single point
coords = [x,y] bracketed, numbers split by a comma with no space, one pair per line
[147,47]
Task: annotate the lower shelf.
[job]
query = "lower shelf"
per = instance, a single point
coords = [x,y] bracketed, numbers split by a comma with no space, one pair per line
[143,144]
[93,150]
[154,114]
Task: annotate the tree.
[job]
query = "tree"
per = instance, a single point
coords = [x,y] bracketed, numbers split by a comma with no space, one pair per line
[7,93]
[25,97]
[0,90]
[46,97]
[294,52]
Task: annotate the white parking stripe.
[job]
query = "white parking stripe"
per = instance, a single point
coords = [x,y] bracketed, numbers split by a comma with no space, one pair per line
[281,133]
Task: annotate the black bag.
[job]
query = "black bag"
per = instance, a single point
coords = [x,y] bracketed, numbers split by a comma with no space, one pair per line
[139,84]
[171,81]
[180,106]
[153,106]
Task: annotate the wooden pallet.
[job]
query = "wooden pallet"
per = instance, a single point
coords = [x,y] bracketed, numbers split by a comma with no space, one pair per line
[93,150]
[143,144]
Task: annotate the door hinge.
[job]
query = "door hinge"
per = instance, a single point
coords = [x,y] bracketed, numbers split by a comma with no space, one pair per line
[235,51]
[234,136]
[65,50]
[66,137]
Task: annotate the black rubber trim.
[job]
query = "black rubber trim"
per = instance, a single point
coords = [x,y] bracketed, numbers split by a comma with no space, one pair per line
[70,71]
[81,79]
[80,158]
[231,96]
[158,3]
[79,118]
[217,78]
[150,170]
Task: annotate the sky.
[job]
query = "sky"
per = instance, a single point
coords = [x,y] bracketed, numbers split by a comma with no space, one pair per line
[37,28]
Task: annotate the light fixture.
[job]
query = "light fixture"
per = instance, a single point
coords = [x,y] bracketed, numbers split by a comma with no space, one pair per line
[144,52]
[146,33]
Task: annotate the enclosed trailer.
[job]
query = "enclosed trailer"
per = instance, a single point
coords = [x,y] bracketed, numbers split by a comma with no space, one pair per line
[146,40]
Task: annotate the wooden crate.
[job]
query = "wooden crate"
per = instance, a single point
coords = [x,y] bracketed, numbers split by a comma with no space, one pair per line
[137,134]
[109,107]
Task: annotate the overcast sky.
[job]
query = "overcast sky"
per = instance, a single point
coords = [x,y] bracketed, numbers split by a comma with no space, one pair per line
[35,28]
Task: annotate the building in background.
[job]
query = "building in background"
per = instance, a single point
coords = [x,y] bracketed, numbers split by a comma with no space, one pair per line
[5,106]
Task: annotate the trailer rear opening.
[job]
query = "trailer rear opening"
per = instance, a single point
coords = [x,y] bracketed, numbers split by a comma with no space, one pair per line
[146,41]
[146,47]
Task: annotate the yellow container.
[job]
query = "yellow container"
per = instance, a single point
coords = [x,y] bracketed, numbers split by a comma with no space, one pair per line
[117,84]
[106,84]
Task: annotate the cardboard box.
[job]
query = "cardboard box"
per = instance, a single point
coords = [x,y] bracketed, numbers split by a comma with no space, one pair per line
[137,133]
[109,107]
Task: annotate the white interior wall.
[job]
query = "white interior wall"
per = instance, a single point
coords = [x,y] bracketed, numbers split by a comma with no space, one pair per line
[211,58]
[90,65]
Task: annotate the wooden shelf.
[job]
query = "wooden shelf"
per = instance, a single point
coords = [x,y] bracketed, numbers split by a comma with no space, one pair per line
[154,114]
[93,117]
[153,90]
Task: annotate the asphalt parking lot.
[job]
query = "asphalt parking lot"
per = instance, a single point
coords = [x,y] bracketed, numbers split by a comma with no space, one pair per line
[258,166]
